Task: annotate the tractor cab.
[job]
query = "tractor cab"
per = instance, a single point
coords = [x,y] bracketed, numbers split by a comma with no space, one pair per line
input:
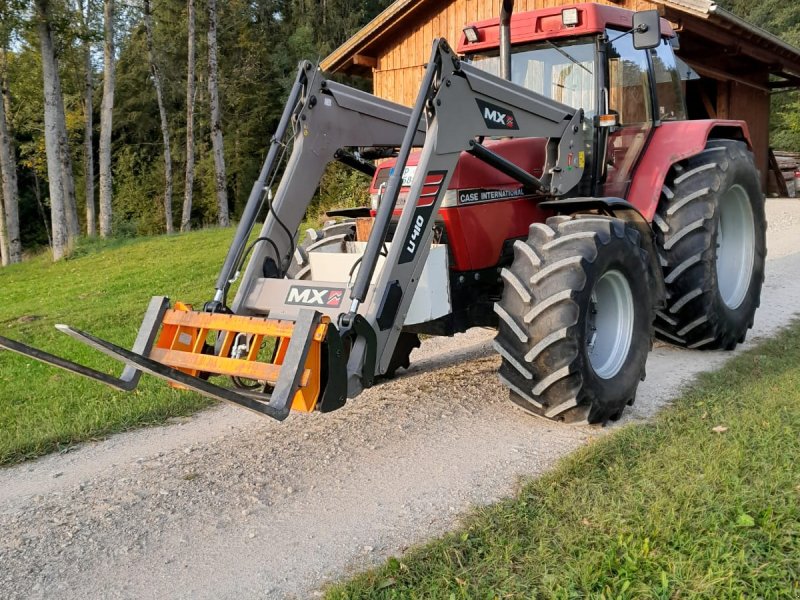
[617,66]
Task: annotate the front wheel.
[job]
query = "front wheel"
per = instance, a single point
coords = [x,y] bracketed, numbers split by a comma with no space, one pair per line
[575,319]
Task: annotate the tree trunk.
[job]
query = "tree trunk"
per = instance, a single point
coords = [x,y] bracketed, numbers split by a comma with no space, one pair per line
[220,181]
[8,168]
[162,110]
[67,180]
[186,218]
[106,117]
[52,97]
[88,109]
[38,193]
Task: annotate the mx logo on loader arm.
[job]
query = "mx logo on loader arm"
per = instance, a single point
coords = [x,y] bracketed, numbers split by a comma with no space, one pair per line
[310,296]
[496,117]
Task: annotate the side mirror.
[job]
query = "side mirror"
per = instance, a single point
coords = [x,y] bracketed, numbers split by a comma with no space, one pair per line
[646,29]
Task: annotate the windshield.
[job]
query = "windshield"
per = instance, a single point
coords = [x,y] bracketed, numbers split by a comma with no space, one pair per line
[562,72]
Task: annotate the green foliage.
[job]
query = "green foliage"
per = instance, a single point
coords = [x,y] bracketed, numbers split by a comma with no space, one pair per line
[341,187]
[138,207]
[676,508]
[260,44]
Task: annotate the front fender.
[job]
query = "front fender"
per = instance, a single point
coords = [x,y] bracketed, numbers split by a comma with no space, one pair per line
[672,142]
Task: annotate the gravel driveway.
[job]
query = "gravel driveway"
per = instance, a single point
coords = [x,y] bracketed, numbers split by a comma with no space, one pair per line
[229,505]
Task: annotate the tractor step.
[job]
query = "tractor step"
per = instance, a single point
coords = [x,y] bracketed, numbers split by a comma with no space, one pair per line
[185,348]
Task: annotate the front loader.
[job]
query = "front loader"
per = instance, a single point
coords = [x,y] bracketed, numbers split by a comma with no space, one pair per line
[333,338]
[509,214]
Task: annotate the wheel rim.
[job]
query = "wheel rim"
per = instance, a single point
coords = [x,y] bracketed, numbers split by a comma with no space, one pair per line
[735,246]
[610,324]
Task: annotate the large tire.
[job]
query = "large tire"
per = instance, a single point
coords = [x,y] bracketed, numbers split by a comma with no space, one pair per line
[332,238]
[711,233]
[575,319]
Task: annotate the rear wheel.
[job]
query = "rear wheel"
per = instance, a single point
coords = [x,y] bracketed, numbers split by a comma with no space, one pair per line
[711,232]
[333,237]
[575,319]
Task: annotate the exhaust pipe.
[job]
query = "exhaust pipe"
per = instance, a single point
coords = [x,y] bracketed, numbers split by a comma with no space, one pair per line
[505,39]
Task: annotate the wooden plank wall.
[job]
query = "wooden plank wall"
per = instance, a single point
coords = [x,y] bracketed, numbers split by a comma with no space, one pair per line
[401,63]
[752,105]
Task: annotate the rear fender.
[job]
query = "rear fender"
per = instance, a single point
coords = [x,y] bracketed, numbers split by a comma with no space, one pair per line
[672,142]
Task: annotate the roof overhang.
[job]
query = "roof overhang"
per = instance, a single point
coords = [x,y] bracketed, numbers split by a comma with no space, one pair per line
[748,52]
[361,47]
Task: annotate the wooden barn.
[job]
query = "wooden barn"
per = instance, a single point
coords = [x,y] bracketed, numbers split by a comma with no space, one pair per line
[740,64]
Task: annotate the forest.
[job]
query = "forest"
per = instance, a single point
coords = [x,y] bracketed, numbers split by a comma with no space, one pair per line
[123,119]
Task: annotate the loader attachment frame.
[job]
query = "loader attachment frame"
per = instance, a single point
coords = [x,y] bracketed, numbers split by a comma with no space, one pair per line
[160,351]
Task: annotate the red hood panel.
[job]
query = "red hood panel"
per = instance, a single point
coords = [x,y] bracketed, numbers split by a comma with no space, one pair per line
[527,153]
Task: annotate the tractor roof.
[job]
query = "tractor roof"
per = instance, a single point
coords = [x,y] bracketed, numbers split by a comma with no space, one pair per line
[548,24]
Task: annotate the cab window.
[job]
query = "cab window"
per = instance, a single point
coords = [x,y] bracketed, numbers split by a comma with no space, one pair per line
[563,71]
[629,83]
[671,103]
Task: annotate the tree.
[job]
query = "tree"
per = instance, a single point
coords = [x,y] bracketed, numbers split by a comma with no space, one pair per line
[162,111]
[186,217]
[88,129]
[216,118]
[52,131]
[106,119]
[10,242]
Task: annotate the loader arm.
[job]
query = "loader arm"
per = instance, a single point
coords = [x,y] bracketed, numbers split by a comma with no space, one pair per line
[459,104]
[325,117]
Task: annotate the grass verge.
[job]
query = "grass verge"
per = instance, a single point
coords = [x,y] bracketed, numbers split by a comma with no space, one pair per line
[105,289]
[704,502]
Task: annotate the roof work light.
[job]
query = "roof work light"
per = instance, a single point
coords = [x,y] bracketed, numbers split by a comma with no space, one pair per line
[472,33]
[569,17]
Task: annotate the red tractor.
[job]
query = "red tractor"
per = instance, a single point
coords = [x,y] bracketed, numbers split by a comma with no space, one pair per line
[559,194]
[563,281]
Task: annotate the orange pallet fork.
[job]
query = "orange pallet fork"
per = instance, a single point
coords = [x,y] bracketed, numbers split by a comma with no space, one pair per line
[173,344]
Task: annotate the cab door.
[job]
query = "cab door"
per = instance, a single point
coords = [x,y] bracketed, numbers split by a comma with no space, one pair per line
[630,98]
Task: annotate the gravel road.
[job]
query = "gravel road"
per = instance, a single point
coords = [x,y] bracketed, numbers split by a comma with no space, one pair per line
[229,505]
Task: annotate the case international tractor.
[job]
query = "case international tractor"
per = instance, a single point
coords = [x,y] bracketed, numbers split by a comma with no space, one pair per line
[551,188]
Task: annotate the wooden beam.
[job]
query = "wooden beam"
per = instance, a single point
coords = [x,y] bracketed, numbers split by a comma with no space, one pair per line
[725,76]
[712,112]
[747,46]
[789,83]
[723,99]
[775,169]
[362,60]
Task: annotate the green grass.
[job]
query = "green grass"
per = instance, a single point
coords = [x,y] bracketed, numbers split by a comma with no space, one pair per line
[670,509]
[104,289]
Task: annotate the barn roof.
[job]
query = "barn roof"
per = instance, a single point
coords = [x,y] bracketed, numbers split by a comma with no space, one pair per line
[742,44]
